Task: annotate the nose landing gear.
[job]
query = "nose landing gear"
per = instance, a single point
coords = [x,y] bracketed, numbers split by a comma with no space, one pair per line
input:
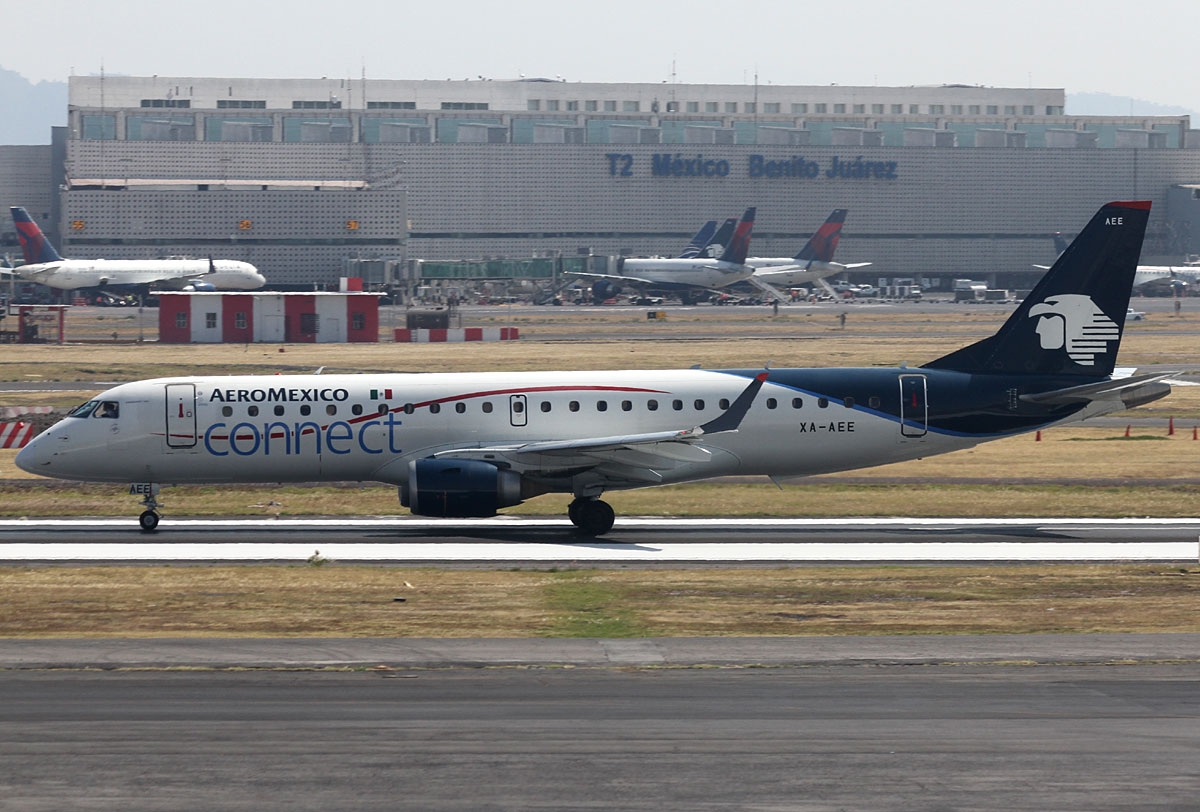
[150,516]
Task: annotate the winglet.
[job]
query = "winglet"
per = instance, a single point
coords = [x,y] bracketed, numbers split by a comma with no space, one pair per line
[731,418]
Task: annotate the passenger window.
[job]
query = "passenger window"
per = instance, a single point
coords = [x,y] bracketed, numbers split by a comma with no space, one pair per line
[409,408]
[797,403]
[873,401]
[723,403]
[602,405]
[383,409]
[652,405]
[699,404]
[356,409]
[822,402]
[772,403]
[279,410]
[252,411]
[460,407]
[545,405]
[677,405]
[626,405]
[108,408]
[573,405]
[226,411]
[305,409]
[434,408]
[487,407]
[331,410]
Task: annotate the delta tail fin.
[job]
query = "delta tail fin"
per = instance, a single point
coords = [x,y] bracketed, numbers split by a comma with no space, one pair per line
[823,243]
[739,246]
[34,245]
[700,240]
[1071,322]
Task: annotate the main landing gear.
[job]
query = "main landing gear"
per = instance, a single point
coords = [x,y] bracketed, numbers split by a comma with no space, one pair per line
[592,516]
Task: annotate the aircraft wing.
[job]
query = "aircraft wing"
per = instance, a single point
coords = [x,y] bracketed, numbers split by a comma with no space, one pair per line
[852,265]
[636,457]
[612,276]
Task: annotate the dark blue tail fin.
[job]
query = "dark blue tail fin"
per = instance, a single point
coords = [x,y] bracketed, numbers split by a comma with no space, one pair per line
[719,241]
[700,240]
[739,246]
[34,244]
[823,243]
[1071,323]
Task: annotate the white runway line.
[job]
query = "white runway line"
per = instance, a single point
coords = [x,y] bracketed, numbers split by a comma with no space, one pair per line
[176,541]
[594,552]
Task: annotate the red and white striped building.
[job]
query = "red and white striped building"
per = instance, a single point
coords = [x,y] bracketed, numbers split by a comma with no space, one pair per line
[240,318]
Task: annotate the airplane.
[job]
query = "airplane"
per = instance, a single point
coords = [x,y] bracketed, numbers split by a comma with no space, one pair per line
[44,266]
[1168,279]
[814,262]
[470,444]
[682,275]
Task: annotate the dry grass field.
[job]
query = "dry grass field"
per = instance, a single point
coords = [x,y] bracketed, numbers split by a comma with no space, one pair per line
[354,601]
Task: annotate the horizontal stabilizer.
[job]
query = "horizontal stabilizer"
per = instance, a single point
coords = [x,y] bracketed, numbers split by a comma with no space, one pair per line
[1120,387]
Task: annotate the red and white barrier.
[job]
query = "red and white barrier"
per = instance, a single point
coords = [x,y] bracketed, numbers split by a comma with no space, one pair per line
[15,435]
[15,412]
[422,336]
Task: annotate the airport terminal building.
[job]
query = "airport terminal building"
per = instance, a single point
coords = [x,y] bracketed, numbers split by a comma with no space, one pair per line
[299,175]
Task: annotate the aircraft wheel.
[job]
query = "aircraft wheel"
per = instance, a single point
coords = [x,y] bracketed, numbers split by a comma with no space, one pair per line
[573,511]
[593,517]
[149,521]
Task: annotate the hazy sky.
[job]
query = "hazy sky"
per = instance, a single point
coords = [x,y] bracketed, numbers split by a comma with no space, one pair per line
[1111,46]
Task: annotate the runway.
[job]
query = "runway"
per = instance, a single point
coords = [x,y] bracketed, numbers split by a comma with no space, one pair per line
[633,541]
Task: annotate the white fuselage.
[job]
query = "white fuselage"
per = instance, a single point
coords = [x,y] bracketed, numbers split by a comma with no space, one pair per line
[1147,274]
[165,274]
[699,272]
[369,427]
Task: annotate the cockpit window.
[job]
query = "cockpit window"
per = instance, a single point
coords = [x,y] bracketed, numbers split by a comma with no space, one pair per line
[108,408]
[84,410]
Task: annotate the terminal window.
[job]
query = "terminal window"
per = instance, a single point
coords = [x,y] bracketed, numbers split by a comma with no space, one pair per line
[610,106]
[552,104]
[860,108]
[324,104]
[914,109]
[534,104]
[710,107]
[630,106]
[591,106]
[771,107]
[751,107]
[572,106]
[877,109]
[166,102]
[241,104]
[820,108]
[800,109]
[391,105]
[839,108]
[897,109]
[730,107]
[974,109]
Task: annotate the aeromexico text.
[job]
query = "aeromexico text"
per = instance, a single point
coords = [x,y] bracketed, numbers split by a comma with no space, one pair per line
[679,165]
[280,395]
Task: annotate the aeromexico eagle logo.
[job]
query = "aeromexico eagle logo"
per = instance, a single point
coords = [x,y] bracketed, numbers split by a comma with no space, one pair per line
[1073,322]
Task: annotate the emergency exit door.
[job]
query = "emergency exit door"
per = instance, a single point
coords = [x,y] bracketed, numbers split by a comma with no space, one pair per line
[181,415]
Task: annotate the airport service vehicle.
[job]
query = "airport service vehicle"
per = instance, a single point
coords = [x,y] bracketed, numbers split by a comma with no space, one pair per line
[44,266]
[470,444]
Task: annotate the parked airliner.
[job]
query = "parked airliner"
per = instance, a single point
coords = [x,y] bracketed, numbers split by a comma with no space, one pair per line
[813,263]
[470,444]
[44,266]
[1170,279]
[685,275]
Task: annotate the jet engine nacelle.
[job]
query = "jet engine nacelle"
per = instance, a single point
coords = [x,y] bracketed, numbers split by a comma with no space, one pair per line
[458,488]
[203,287]
[602,290]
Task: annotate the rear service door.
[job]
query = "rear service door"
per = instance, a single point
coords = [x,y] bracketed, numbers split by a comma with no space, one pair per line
[517,410]
[914,409]
[181,415]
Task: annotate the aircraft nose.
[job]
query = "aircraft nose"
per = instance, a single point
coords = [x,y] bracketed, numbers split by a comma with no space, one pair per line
[33,458]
